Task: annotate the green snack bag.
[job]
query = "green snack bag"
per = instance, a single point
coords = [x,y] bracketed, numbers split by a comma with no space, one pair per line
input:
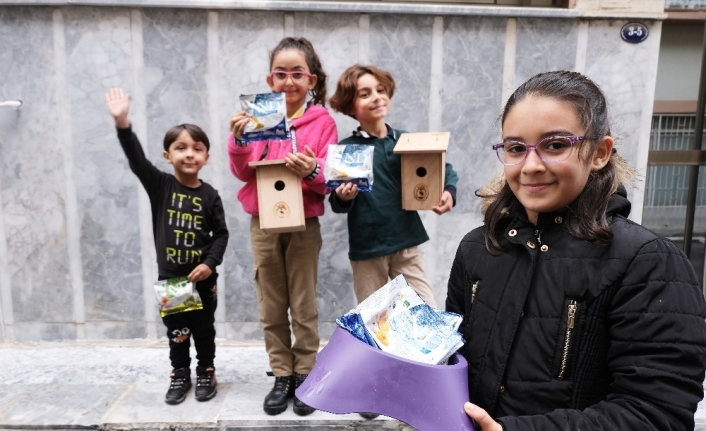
[177,295]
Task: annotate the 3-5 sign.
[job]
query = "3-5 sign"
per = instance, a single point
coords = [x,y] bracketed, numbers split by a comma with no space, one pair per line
[634,32]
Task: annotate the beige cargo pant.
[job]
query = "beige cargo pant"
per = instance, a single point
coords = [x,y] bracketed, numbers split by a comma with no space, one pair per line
[285,269]
[371,274]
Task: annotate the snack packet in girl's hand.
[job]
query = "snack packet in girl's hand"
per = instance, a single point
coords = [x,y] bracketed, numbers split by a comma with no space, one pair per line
[268,117]
[352,163]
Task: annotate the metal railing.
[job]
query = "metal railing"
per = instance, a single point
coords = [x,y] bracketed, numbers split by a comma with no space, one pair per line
[685,4]
[668,185]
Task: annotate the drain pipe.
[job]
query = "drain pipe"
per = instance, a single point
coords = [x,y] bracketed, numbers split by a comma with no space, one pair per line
[694,171]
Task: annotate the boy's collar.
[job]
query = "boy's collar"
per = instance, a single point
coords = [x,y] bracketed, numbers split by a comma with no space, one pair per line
[363,134]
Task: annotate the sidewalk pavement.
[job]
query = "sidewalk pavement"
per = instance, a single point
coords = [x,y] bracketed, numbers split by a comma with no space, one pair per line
[120,385]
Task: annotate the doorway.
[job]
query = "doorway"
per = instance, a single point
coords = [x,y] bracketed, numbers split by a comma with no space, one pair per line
[675,182]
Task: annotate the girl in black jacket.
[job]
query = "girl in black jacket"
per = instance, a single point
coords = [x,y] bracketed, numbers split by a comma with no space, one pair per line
[575,318]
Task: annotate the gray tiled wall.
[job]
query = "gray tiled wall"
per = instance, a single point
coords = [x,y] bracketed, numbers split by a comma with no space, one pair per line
[77,255]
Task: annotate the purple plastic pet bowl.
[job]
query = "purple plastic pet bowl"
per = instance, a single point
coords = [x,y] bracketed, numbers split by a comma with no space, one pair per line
[352,377]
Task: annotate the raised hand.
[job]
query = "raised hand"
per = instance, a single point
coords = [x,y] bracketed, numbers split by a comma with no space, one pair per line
[118,103]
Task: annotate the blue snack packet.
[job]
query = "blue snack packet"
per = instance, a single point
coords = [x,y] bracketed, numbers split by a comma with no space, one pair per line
[397,321]
[268,117]
[353,323]
[352,163]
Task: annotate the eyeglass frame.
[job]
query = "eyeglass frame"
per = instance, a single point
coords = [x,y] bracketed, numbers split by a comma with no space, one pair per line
[573,139]
[289,74]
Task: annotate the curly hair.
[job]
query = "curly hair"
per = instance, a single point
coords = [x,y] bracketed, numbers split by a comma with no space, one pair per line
[343,100]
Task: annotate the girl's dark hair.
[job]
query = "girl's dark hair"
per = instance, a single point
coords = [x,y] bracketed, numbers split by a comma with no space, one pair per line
[343,100]
[587,219]
[196,133]
[318,93]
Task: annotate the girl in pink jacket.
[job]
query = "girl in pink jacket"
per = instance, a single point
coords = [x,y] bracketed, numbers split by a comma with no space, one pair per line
[286,264]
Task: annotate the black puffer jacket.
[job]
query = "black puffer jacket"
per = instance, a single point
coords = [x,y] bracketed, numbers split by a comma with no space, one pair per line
[570,335]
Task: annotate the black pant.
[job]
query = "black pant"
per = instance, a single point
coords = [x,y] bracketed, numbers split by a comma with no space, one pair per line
[197,323]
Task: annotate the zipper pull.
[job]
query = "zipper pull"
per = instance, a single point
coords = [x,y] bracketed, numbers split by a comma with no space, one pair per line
[570,322]
[473,291]
[293,134]
[572,315]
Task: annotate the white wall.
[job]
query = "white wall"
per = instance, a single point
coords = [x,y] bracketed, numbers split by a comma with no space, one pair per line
[679,61]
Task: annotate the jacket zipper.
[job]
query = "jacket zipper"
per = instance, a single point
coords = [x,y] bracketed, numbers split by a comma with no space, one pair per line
[570,322]
[293,134]
[474,288]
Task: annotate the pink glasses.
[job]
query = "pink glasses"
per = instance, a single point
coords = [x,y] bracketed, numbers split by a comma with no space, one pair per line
[296,75]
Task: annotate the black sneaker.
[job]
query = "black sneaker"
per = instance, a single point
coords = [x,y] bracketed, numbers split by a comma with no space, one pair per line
[205,383]
[366,415]
[299,407]
[276,400]
[181,383]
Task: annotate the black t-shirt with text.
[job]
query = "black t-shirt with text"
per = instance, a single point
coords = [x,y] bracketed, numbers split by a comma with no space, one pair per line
[188,223]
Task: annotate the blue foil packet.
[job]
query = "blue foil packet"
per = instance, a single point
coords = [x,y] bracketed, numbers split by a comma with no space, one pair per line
[352,163]
[397,321]
[353,323]
[268,117]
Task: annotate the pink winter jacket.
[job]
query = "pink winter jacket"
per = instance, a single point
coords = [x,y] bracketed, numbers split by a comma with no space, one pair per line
[315,129]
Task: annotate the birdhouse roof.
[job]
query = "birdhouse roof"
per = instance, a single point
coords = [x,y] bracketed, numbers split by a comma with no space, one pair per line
[267,163]
[433,142]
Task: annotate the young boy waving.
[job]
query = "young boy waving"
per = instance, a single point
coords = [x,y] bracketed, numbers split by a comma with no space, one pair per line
[190,236]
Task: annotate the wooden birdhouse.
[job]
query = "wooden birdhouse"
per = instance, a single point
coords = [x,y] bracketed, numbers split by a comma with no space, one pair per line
[279,196]
[423,158]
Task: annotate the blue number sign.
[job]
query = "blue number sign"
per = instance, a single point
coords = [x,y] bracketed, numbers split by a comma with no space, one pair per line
[634,32]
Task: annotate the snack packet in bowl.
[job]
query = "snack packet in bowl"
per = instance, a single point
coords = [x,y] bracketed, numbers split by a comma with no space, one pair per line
[268,117]
[397,321]
[352,322]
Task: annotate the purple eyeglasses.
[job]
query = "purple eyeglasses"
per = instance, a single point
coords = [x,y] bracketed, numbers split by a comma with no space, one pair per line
[552,149]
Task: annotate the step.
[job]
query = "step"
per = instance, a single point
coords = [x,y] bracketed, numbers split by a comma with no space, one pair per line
[120,385]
